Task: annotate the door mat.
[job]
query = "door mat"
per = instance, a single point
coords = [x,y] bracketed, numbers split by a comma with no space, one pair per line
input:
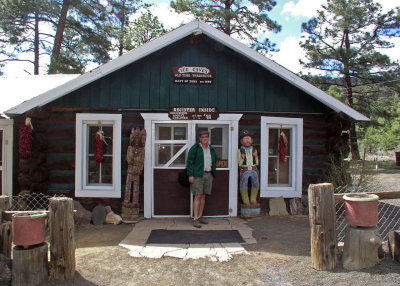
[162,236]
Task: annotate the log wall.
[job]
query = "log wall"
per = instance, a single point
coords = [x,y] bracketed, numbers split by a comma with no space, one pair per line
[322,133]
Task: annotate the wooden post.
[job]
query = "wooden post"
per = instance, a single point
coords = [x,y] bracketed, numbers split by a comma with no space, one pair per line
[394,244]
[30,265]
[4,206]
[322,224]
[62,238]
[6,239]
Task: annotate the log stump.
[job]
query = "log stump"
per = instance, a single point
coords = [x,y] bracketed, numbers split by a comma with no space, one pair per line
[4,206]
[30,265]
[6,239]
[361,247]
[62,238]
[322,224]
[394,244]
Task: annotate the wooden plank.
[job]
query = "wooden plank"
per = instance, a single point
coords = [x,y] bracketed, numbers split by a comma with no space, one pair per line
[62,238]
[384,195]
[322,224]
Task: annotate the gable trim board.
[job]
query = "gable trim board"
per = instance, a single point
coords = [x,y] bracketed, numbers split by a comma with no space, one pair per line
[194,27]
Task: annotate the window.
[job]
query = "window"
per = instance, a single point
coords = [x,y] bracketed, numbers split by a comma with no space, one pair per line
[98,179]
[171,145]
[281,171]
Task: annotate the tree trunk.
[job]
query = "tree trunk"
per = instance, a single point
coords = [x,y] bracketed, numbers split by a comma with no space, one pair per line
[353,144]
[361,246]
[322,223]
[62,238]
[30,266]
[227,26]
[36,46]
[59,36]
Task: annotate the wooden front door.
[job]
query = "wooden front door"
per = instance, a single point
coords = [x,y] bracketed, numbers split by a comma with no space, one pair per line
[170,146]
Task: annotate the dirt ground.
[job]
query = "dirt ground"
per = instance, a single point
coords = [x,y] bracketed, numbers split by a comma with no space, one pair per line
[281,257]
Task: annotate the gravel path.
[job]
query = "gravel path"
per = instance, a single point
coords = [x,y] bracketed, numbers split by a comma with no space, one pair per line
[281,257]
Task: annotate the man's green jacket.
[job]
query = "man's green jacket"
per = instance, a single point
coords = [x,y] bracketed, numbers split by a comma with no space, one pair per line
[195,161]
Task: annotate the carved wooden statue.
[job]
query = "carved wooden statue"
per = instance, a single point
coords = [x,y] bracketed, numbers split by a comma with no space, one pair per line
[135,160]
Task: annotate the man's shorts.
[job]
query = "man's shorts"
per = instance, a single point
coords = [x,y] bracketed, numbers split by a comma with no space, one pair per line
[202,185]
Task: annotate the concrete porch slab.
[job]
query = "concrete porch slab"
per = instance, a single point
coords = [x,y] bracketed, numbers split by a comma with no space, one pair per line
[136,240]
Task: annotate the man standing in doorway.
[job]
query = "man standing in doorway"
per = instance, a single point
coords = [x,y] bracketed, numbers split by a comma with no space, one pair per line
[201,169]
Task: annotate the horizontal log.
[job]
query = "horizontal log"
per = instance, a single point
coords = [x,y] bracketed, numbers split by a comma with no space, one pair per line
[385,195]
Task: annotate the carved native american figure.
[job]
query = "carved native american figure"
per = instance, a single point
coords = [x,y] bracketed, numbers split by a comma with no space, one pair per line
[135,160]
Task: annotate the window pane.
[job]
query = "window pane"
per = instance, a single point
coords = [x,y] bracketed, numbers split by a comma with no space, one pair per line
[163,153]
[164,133]
[273,142]
[284,168]
[289,139]
[108,134]
[216,136]
[106,170]
[94,171]
[272,170]
[218,150]
[181,160]
[180,133]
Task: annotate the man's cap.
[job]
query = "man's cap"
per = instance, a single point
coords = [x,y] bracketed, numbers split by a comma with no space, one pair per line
[204,131]
[244,133]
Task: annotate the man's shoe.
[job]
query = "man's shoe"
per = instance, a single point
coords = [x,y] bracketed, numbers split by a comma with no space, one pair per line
[203,220]
[196,223]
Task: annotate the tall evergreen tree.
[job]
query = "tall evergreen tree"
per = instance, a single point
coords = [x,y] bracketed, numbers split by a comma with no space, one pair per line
[235,17]
[144,29]
[119,13]
[30,29]
[343,41]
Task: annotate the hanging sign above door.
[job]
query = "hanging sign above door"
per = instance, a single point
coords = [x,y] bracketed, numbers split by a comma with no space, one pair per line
[193,113]
[193,74]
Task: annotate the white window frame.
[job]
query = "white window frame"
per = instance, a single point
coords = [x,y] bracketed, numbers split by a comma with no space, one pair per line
[7,168]
[82,189]
[296,153]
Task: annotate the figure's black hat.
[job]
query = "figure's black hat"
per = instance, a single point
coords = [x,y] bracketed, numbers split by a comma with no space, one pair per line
[244,133]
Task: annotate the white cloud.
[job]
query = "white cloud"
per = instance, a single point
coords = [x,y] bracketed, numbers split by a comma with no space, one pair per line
[303,8]
[168,17]
[289,54]
[308,8]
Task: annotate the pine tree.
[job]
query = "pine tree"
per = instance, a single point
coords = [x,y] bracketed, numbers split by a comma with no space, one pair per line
[343,41]
[235,17]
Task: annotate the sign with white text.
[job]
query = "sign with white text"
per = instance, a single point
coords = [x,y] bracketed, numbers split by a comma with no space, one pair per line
[193,74]
[193,113]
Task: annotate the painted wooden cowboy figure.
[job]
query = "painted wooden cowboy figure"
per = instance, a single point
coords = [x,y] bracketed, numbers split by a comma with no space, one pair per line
[248,165]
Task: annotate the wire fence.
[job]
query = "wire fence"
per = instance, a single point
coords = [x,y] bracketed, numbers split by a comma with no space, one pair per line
[31,202]
[389,212]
